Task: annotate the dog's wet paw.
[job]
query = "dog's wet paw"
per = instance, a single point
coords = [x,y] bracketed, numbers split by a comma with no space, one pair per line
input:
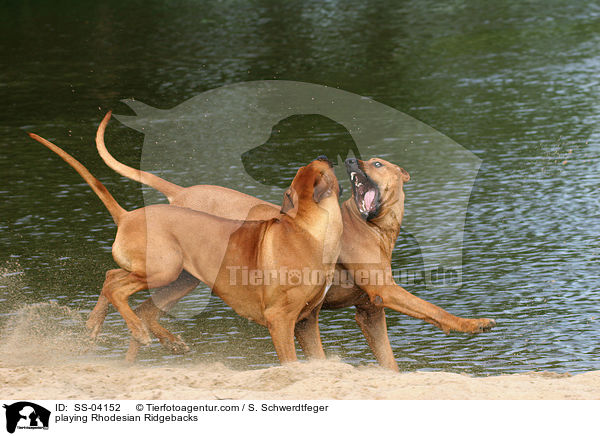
[483,325]
[142,336]
[93,329]
[175,345]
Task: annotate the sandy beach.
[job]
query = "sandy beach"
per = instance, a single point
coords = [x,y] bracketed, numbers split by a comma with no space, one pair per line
[42,358]
[329,379]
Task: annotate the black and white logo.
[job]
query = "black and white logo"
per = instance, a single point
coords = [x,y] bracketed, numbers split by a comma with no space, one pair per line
[26,415]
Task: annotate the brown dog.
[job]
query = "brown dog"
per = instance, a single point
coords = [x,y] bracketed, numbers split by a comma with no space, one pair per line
[155,244]
[372,220]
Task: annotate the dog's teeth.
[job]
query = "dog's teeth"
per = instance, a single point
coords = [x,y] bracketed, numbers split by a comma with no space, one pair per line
[353,175]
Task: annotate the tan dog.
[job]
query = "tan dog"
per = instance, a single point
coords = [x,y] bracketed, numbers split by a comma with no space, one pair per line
[155,244]
[371,228]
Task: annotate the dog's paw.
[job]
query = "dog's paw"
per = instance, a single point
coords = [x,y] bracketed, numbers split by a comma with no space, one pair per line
[93,327]
[175,344]
[483,325]
[471,325]
[142,335]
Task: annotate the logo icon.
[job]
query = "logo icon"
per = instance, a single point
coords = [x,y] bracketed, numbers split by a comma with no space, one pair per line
[26,415]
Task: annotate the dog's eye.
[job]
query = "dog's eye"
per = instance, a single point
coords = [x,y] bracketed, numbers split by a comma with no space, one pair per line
[377,164]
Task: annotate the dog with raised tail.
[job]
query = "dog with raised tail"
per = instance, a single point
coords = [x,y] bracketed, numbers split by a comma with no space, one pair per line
[154,245]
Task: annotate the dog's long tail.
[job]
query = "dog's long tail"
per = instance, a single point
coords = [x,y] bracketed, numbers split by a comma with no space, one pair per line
[167,188]
[111,204]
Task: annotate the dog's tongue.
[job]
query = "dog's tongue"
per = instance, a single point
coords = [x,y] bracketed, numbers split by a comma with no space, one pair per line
[369,198]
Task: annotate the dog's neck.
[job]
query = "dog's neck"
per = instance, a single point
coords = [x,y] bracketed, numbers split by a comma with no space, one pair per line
[386,224]
[324,225]
[323,221]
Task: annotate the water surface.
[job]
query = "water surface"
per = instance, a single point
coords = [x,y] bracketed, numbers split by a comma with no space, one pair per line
[516,84]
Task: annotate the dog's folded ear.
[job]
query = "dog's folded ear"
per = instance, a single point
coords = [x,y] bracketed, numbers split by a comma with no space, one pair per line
[288,201]
[404,174]
[322,188]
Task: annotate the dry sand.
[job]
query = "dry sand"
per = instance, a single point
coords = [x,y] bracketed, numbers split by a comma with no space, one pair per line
[42,356]
[314,380]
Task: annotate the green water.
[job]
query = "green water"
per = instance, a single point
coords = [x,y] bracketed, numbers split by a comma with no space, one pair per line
[517,84]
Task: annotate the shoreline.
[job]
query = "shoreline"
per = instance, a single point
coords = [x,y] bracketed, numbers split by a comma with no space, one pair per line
[316,380]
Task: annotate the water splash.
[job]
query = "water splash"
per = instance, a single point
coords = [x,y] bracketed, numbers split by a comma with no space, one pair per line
[43,333]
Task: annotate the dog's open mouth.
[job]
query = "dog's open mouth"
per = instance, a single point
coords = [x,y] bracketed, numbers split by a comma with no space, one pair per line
[365,192]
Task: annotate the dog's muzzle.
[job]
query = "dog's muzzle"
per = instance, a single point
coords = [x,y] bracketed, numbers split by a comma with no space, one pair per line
[365,191]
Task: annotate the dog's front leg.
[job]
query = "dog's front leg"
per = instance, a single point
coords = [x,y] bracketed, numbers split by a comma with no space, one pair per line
[308,335]
[399,299]
[281,327]
[371,320]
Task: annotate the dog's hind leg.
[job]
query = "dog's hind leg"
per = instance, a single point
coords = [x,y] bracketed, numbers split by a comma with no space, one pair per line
[371,320]
[118,287]
[98,314]
[156,306]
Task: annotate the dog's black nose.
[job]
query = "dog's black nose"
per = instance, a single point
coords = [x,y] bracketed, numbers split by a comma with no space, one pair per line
[325,159]
[351,161]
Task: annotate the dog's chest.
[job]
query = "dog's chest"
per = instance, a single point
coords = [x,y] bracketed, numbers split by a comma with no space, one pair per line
[325,291]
